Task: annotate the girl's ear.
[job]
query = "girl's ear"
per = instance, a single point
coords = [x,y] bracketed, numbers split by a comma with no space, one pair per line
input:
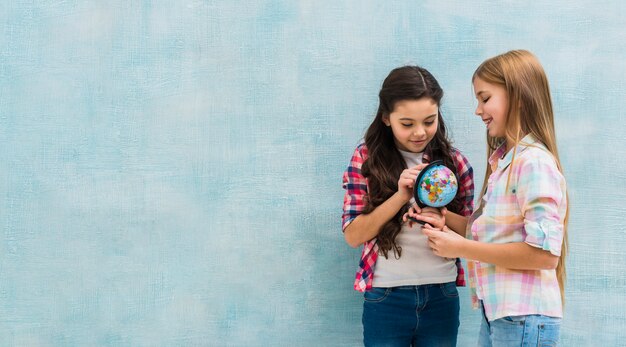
[386,120]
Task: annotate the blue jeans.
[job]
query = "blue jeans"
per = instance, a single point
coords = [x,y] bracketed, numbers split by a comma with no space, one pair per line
[520,331]
[426,315]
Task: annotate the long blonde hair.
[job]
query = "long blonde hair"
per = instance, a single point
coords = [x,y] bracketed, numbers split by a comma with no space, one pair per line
[530,112]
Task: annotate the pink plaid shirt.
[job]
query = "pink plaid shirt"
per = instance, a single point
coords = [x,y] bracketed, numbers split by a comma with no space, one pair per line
[353,204]
[531,210]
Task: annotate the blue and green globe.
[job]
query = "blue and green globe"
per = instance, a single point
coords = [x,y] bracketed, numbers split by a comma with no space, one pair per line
[436,185]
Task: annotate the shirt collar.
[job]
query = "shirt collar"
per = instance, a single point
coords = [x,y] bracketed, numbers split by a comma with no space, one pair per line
[502,158]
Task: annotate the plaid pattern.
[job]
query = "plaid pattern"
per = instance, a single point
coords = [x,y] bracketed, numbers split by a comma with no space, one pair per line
[531,210]
[354,202]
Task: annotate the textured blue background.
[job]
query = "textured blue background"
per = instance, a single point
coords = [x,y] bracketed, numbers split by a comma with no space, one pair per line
[170,171]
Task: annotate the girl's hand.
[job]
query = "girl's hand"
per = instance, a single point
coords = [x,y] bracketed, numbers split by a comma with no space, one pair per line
[433,216]
[407,180]
[410,215]
[444,243]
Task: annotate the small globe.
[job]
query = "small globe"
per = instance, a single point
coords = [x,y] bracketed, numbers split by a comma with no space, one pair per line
[436,185]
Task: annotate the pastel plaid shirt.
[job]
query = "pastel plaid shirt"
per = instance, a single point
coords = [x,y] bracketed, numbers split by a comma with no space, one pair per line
[355,185]
[531,210]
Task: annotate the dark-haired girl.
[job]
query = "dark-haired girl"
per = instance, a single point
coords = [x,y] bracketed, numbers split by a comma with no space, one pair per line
[410,295]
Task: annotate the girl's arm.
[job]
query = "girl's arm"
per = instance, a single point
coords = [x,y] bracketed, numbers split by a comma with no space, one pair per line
[542,200]
[366,226]
[516,255]
[456,222]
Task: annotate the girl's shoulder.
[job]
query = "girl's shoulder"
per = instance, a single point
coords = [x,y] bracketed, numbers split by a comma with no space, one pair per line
[536,153]
[358,156]
[456,153]
[361,150]
[460,160]
[537,162]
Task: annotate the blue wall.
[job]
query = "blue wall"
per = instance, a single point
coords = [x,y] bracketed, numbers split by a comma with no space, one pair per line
[170,172]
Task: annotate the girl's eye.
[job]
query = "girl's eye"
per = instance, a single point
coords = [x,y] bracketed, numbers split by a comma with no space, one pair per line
[486,99]
[429,123]
[406,125]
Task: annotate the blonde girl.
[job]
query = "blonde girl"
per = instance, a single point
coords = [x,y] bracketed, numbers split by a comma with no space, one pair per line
[516,239]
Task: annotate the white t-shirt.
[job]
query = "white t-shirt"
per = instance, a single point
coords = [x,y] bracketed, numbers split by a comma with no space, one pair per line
[418,264]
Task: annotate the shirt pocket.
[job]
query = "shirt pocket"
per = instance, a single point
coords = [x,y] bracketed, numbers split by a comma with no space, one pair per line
[502,216]
[501,200]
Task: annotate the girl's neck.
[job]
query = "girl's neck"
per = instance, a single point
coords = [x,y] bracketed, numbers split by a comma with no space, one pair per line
[410,153]
[510,143]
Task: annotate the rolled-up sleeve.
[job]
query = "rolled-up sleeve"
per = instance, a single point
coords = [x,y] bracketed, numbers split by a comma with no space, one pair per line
[541,194]
[355,185]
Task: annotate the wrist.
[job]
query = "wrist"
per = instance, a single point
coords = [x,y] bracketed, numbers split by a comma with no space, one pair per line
[464,248]
[402,197]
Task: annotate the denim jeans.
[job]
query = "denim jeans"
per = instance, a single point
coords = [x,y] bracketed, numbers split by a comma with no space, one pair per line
[520,331]
[425,315]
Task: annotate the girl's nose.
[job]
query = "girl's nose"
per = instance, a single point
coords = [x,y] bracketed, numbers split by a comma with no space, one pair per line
[478,111]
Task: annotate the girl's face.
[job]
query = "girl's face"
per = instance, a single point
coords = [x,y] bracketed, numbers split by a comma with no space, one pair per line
[493,105]
[413,123]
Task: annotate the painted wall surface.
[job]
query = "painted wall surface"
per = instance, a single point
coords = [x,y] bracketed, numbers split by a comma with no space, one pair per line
[170,171]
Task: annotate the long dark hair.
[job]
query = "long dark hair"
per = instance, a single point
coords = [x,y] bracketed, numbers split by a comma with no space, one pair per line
[384,163]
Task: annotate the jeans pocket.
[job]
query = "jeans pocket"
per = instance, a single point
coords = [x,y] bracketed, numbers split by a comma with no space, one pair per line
[376,294]
[514,320]
[449,289]
[548,334]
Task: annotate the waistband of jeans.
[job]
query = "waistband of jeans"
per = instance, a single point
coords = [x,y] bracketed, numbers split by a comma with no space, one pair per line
[413,287]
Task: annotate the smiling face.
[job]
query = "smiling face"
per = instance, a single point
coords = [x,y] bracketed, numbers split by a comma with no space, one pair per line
[413,123]
[493,106]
